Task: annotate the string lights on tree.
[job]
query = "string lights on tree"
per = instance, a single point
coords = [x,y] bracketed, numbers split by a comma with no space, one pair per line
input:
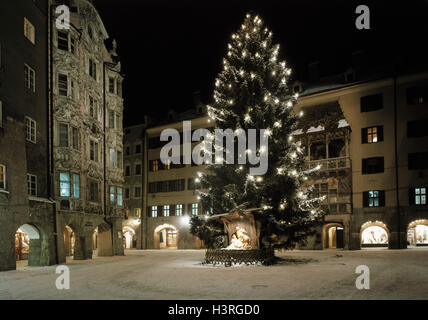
[252,92]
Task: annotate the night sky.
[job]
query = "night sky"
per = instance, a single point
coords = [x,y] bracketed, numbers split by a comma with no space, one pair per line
[170,49]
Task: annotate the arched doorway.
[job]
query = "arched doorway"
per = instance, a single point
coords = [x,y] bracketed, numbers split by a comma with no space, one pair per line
[374,234]
[102,242]
[69,241]
[129,237]
[166,237]
[417,233]
[30,247]
[334,236]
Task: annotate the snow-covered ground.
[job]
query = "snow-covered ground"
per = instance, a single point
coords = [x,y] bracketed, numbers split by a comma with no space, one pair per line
[178,274]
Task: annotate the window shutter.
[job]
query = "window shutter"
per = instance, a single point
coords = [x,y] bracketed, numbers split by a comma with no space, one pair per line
[172,210]
[160,212]
[189,209]
[411,196]
[365,199]
[380,133]
[149,211]
[364,166]
[382,198]
[363,135]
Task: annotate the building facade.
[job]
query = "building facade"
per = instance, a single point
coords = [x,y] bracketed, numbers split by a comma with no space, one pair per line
[373,161]
[86,121]
[27,219]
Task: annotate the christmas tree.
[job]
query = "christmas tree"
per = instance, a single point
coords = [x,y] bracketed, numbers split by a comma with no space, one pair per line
[252,92]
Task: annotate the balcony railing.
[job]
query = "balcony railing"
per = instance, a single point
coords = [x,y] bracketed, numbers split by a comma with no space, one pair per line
[330,164]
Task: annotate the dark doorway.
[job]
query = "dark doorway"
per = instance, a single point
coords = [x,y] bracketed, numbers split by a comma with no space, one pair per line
[339,238]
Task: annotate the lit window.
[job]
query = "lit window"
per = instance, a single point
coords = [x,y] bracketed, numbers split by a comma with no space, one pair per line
[154,211]
[195,209]
[166,211]
[112,195]
[155,165]
[31,185]
[29,31]
[64,184]
[420,196]
[119,197]
[112,155]
[373,198]
[137,212]
[372,135]
[29,78]
[76,186]
[30,132]
[179,210]
[2,177]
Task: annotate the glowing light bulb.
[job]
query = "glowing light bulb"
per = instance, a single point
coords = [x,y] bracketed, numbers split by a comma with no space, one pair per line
[259,179]
[277,124]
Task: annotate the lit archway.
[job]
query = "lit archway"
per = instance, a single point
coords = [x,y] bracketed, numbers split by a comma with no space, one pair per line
[30,247]
[69,241]
[374,234]
[417,233]
[128,237]
[333,235]
[166,236]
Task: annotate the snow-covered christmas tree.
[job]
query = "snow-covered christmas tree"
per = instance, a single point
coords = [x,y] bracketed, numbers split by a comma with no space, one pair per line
[252,92]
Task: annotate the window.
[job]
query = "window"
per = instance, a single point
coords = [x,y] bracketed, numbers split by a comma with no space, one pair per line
[191,184]
[30,129]
[93,150]
[137,212]
[373,165]
[75,137]
[93,191]
[418,161]
[372,134]
[2,177]
[138,148]
[138,169]
[73,89]
[29,78]
[119,161]
[371,103]
[195,209]
[417,128]
[111,85]
[118,122]
[112,194]
[127,171]
[127,151]
[166,211]
[92,108]
[374,198]
[137,192]
[63,41]
[111,119]
[154,165]
[417,95]
[154,211]
[93,69]
[418,196]
[179,210]
[31,184]
[72,45]
[29,31]
[119,196]
[76,186]
[63,135]
[64,184]
[126,193]
[112,156]
[62,85]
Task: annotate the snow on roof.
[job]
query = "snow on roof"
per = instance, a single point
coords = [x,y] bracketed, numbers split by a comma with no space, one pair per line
[341,124]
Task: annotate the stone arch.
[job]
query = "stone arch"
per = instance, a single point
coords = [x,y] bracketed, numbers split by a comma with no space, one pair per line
[69,240]
[417,233]
[331,233]
[102,241]
[31,243]
[165,236]
[374,234]
[128,236]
